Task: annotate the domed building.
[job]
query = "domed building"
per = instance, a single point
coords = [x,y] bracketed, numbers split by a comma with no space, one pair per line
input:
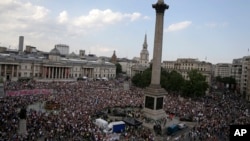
[54,55]
[56,65]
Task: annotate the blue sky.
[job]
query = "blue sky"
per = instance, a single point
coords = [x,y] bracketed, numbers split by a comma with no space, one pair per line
[214,29]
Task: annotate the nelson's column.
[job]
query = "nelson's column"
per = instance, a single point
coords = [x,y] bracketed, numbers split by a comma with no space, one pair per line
[154,94]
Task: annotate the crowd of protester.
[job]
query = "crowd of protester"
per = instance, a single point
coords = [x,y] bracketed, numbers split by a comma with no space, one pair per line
[213,114]
[79,100]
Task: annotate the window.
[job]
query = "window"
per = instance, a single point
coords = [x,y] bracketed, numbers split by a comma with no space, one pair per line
[159,103]
[149,102]
[25,67]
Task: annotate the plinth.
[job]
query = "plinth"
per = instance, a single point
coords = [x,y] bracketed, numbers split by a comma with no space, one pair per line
[153,102]
[22,128]
[126,86]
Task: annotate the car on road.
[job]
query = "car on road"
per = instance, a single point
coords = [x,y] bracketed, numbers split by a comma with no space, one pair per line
[173,129]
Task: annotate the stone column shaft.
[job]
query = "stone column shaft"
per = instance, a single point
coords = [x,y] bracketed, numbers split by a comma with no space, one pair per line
[56,69]
[53,71]
[5,70]
[59,73]
[12,71]
[49,73]
[157,55]
[67,72]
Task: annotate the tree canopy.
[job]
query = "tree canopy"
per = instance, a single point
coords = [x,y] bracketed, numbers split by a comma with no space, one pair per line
[143,79]
[196,86]
[173,82]
[227,80]
[118,68]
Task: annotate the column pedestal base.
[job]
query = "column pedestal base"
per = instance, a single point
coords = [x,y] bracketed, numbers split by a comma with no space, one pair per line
[154,99]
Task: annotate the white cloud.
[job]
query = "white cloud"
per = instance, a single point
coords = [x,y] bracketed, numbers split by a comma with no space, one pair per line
[63,17]
[102,50]
[39,12]
[134,16]
[40,28]
[99,18]
[178,26]
[17,15]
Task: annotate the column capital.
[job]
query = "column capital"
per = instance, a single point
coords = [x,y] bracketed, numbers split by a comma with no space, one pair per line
[160,7]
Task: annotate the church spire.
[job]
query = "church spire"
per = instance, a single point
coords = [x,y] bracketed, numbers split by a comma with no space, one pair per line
[145,44]
[144,52]
[113,58]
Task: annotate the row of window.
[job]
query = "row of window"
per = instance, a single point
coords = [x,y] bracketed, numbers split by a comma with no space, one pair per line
[25,74]
[185,68]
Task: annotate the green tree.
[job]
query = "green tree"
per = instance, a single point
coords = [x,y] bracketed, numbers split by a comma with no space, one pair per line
[227,80]
[143,79]
[172,81]
[118,68]
[196,86]
[218,79]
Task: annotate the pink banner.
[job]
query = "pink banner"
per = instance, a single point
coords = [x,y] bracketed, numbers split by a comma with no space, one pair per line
[28,92]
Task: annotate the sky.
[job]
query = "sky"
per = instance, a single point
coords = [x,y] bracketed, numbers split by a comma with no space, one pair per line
[215,31]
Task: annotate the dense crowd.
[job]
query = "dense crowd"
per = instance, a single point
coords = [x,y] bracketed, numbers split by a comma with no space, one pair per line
[82,99]
[214,114]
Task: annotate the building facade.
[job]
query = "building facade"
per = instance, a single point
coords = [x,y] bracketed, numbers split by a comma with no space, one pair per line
[247,93]
[223,70]
[137,64]
[184,65]
[236,71]
[127,65]
[52,67]
[244,75]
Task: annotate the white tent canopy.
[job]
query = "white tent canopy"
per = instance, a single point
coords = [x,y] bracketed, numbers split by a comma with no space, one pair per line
[105,78]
